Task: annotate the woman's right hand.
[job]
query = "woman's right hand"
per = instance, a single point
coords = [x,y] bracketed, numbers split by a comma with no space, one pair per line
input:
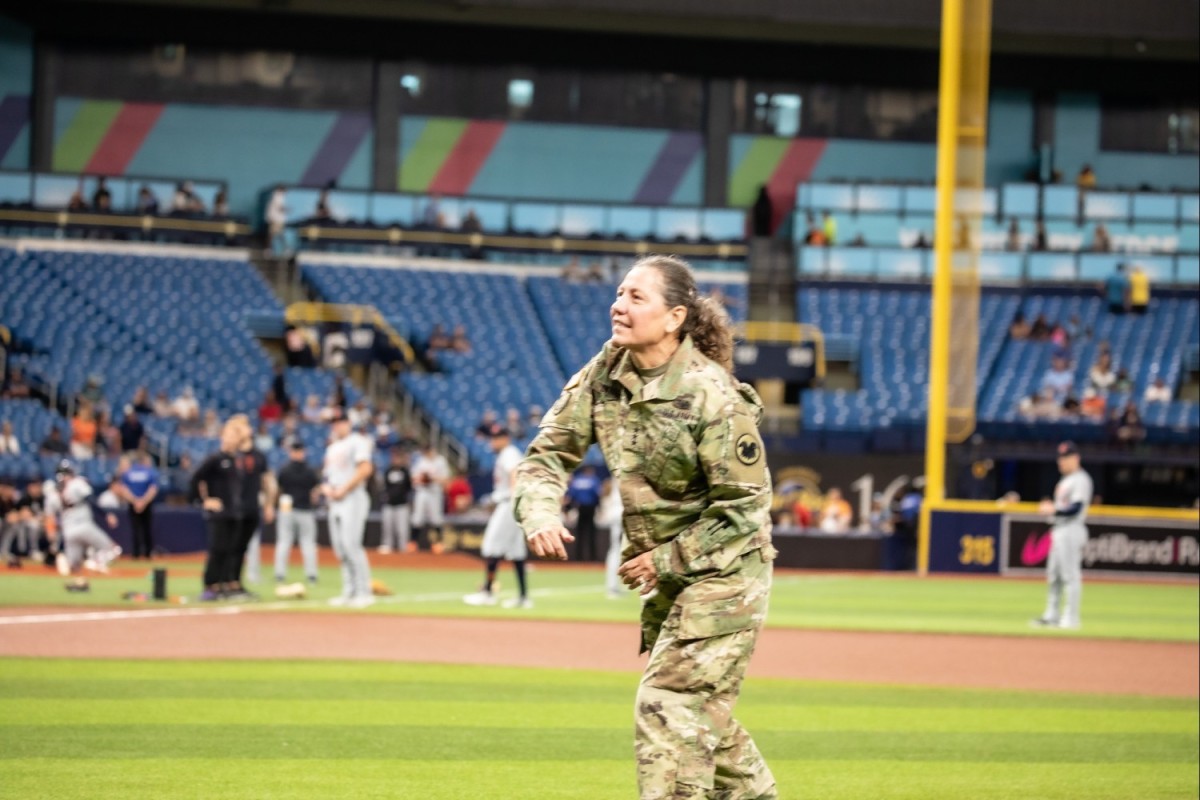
[547,542]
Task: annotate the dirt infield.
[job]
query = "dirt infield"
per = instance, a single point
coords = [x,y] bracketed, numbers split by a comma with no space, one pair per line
[244,632]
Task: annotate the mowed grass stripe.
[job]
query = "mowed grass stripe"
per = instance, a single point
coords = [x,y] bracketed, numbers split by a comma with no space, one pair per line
[22,678]
[551,712]
[529,778]
[440,743]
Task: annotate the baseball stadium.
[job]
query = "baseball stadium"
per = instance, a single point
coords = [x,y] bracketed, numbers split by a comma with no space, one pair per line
[495,398]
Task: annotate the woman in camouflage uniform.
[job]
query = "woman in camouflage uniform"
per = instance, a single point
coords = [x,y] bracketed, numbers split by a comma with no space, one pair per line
[680,436]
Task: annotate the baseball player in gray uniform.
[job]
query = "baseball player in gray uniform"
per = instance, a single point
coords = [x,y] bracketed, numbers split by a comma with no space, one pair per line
[348,466]
[503,537]
[79,531]
[1068,535]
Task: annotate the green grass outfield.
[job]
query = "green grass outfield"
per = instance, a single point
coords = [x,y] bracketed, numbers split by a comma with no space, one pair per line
[196,730]
[1124,610]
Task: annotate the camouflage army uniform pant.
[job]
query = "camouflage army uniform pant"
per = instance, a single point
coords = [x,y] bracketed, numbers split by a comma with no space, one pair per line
[687,742]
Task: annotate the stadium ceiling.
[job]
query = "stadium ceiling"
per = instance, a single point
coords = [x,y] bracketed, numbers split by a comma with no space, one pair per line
[1146,29]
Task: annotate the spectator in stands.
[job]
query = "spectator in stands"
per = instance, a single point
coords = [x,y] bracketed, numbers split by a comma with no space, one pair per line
[221,205]
[179,477]
[1041,329]
[276,216]
[16,387]
[1128,425]
[802,514]
[384,431]
[835,513]
[1157,392]
[762,214]
[108,440]
[93,394]
[264,442]
[322,211]
[185,408]
[301,346]
[534,418]
[514,423]
[1060,342]
[270,410]
[1075,329]
[9,445]
[1012,240]
[162,406]
[486,422]
[1139,290]
[181,201]
[815,237]
[572,271]
[829,228]
[147,202]
[471,222]
[359,414]
[290,427]
[1041,405]
[1124,383]
[1101,241]
[1086,179]
[102,197]
[211,427]
[1116,291]
[84,432]
[76,201]
[1059,379]
[1101,376]
[279,386]
[431,216]
[141,401]
[1019,328]
[922,241]
[595,273]
[880,517]
[459,342]
[131,430]
[53,444]
[312,409]
[1093,405]
[1070,406]
[1041,242]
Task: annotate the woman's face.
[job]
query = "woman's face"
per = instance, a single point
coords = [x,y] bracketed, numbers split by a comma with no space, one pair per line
[640,317]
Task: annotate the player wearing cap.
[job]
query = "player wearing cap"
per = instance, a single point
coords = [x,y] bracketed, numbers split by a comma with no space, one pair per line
[296,522]
[503,537]
[348,466]
[1068,534]
[70,505]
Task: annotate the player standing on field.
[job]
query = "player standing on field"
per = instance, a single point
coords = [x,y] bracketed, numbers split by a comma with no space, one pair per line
[503,537]
[1068,535]
[348,466]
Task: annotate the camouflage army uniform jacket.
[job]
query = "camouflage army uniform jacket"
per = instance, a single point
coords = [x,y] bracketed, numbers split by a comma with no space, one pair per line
[685,449]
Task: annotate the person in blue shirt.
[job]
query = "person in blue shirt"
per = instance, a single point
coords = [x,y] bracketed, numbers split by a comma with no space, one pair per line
[140,487]
[1116,291]
[583,494]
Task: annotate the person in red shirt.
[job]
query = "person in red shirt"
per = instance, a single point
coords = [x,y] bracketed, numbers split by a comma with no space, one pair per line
[801,514]
[270,410]
[458,494]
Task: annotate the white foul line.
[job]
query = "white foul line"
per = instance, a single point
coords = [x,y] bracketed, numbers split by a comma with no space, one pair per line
[101,616]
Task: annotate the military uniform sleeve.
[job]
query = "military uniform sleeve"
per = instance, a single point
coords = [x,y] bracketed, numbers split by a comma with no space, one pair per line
[563,438]
[734,462]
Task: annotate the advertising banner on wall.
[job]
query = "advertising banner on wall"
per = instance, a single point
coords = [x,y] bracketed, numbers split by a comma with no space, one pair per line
[1115,546]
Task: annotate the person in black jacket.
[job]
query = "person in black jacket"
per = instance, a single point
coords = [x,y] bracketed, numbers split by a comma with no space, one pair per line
[397,491]
[228,484]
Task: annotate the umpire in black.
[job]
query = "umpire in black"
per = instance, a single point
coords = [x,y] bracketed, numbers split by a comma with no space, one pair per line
[229,484]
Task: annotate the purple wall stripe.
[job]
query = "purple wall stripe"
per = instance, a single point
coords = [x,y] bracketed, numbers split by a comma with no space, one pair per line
[668,169]
[338,148]
[14,115]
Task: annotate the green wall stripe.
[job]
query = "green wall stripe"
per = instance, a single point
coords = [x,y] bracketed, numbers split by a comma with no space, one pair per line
[79,141]
[756,168]
[429,152]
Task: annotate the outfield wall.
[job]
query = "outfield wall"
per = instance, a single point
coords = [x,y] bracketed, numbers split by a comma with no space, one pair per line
[1014,540]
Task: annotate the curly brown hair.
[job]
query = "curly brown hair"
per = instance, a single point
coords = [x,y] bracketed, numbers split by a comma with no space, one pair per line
[707,321]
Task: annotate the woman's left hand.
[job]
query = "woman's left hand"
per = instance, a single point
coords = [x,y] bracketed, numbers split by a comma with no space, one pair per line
[639,573]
